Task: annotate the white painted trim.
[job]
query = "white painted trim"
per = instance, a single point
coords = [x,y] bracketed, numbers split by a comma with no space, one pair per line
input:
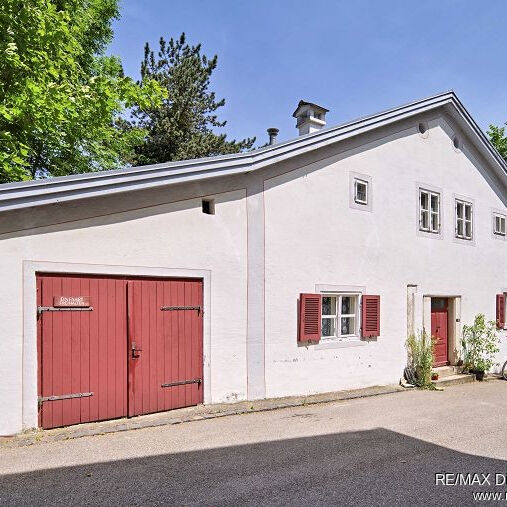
[255,332]
[334,344]
[320,287]
[30,364]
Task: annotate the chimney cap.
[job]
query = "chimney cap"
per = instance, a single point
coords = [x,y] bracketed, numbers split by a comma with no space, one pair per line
[302,103]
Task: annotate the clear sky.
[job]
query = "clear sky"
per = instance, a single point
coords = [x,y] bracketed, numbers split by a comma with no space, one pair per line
[354,57]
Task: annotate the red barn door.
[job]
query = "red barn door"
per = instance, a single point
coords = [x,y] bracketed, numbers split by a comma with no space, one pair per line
[82,349]
[112,347]
[165,344]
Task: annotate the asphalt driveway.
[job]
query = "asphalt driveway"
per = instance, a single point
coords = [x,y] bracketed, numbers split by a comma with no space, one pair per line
[374,451]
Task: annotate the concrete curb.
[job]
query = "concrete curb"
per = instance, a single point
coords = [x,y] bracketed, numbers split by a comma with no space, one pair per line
[189,414]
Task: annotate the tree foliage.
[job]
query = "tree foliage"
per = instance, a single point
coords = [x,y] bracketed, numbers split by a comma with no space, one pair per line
[480,344]
[60,96]
[182,127]
[498,137]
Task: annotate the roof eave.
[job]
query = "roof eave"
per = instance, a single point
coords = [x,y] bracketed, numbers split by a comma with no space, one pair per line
[50,191]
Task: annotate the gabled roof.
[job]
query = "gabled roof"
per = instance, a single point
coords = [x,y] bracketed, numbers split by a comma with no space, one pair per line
[66,188]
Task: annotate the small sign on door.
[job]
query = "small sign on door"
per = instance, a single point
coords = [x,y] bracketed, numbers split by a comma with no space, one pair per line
[71,301]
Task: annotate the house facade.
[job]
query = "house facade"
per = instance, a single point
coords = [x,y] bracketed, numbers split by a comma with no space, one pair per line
[295,269]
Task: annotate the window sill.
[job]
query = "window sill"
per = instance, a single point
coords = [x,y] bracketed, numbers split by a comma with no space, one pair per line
[428,234]
[464,241]
[340,344]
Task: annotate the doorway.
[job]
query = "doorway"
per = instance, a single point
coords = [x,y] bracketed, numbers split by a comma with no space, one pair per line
[440,330]
[110,346]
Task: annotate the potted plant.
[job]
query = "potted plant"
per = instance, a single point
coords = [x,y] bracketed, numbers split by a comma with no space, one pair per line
[434,375]
[480,346]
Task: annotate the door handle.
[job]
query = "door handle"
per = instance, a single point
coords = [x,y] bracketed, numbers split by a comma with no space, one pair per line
[135,351]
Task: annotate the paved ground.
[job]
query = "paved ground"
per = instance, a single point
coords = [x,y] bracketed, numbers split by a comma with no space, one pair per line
[188,414]
[373,451]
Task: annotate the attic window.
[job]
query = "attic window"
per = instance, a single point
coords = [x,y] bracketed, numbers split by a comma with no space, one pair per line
[208,206]
[361,191]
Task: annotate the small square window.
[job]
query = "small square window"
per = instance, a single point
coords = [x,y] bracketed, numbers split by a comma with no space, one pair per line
[208,206]
[463,219]
[429,211]
[499,224]
[361,192]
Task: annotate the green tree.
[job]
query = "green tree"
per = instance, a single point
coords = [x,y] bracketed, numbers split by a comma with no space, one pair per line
[61,98]
[182,127]
[498,137]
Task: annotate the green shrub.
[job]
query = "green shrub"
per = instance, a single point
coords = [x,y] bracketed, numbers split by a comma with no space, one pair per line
[479,344]
[420,356]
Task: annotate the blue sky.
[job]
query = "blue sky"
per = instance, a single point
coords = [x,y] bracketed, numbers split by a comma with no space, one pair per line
[354,57]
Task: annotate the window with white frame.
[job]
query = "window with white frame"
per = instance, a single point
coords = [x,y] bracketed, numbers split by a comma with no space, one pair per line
[429,211]
[463,215]
[360,191]
[499,224]
[340,315]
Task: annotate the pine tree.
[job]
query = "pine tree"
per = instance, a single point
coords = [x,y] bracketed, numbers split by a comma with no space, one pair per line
[182,127]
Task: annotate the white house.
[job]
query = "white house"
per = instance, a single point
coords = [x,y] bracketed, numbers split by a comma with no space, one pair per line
[297,268]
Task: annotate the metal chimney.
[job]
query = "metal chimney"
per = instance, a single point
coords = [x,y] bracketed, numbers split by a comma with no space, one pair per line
[272,133]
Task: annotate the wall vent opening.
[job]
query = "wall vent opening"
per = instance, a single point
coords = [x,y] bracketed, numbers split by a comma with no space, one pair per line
[208,206]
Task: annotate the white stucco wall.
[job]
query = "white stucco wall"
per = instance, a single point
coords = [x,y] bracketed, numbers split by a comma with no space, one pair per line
[173,236]
[314,237]
[277,233]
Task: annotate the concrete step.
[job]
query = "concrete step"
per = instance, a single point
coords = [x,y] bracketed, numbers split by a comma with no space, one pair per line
[447,371]
[451,380]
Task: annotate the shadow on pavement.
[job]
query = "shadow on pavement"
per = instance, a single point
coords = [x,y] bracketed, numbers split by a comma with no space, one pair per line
[375,467]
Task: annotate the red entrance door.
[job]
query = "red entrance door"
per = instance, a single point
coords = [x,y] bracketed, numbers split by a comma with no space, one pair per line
[165,345]
[111,347]
[439,317]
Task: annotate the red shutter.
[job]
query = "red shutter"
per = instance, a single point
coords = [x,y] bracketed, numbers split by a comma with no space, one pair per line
[370,318]
[310,317]
[500,311]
